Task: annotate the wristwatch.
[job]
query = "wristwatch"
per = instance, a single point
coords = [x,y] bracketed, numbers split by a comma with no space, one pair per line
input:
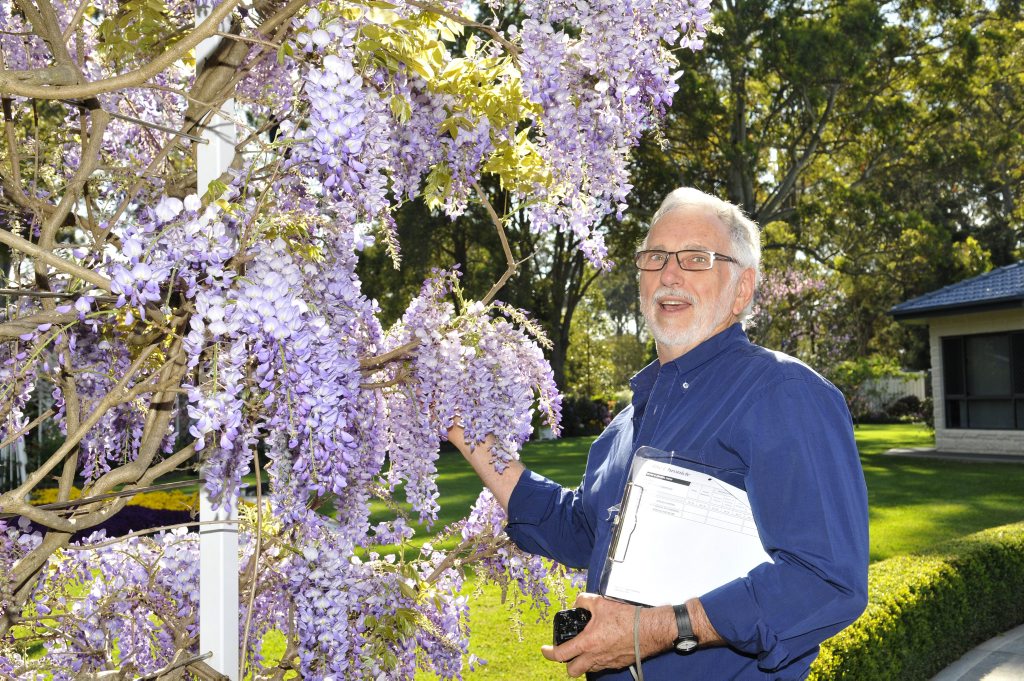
[685,642]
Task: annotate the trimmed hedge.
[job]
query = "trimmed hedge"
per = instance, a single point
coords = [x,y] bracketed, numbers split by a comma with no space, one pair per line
[927,609]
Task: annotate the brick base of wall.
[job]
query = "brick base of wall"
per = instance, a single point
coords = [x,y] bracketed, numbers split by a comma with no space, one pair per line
[979,441]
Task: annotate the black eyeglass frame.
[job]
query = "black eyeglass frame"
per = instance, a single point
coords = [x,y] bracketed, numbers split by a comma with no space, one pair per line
[711,261]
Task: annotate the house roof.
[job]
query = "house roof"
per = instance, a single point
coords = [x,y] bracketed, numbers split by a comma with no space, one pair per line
[1002,287]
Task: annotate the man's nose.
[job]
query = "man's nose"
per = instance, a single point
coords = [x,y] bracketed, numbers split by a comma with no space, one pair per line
[671,273]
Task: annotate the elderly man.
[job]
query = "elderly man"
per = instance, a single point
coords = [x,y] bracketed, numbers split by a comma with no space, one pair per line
[712,397]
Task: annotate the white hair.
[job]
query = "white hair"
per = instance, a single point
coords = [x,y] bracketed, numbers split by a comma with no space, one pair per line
[743,232]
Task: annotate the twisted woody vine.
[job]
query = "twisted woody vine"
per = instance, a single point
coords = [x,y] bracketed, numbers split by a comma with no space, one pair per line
[129,297]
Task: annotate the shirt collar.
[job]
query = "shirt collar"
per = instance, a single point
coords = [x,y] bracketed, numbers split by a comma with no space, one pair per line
[728,339]
[643,382]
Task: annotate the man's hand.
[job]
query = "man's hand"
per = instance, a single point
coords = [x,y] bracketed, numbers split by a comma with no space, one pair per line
[607,640]
[457,436]
[479,457]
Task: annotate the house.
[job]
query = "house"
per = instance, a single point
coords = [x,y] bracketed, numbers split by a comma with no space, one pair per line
[976,334]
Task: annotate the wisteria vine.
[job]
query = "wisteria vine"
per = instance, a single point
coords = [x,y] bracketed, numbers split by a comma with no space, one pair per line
[242,306]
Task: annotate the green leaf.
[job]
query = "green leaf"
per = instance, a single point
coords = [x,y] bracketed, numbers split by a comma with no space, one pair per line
[446,34]
[407,591]
[400,108]
[421,68]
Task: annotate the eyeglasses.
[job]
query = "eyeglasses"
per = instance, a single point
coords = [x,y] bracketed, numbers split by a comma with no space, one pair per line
[691,259]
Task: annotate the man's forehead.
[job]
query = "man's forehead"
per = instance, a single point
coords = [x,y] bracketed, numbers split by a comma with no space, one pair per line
[687,227]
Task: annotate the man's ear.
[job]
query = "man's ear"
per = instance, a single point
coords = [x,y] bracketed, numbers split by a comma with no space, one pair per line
[744,291]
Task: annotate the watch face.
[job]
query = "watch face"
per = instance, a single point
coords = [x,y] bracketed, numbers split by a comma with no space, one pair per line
[685,645]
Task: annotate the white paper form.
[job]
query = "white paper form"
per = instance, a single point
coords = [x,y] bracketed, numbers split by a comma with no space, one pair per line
[682,533]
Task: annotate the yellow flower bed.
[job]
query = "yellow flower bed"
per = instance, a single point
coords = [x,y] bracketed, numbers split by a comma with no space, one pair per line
[171,500]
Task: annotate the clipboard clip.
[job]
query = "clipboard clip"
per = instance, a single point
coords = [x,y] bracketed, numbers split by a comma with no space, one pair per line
[615,555]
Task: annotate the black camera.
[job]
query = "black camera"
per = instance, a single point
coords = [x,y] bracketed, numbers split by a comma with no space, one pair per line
[569,623]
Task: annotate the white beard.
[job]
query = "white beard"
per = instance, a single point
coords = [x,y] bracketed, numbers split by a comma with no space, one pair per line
[705,320]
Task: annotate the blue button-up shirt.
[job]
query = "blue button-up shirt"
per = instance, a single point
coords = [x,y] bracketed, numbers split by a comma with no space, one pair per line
[770,425]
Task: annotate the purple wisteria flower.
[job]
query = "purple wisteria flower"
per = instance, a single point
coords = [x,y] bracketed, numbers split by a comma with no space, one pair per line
[253,304]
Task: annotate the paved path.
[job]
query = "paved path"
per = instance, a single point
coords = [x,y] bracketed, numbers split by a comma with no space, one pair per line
[998,659]
[931,453]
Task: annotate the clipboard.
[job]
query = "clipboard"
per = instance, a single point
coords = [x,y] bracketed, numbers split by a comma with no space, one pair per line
[679,533]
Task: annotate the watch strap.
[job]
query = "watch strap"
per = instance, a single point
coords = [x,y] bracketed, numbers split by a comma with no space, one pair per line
[686,641]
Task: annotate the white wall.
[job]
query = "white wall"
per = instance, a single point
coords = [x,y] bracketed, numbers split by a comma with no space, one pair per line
[964,439]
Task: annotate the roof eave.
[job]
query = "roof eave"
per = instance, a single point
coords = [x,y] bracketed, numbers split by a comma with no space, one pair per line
[1014,302]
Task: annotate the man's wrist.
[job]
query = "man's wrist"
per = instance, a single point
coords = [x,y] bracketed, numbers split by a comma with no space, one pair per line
[659,625]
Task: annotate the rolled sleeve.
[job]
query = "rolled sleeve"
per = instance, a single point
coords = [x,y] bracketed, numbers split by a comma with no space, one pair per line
[806,489]
[547,519]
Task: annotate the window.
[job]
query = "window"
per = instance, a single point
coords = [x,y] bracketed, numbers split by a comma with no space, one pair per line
[984,381]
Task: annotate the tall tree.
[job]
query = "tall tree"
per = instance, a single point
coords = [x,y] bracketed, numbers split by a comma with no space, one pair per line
[879,140]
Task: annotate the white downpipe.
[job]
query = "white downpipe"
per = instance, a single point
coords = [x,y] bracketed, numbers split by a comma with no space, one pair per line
[218,533]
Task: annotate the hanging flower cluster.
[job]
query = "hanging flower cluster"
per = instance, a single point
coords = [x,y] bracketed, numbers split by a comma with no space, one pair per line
[246,305]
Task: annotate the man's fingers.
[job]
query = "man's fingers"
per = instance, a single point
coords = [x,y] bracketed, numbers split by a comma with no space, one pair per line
[562,653]
[577,667]
[576,661]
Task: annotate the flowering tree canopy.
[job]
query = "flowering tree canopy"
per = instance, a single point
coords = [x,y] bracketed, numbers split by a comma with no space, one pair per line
[130,295]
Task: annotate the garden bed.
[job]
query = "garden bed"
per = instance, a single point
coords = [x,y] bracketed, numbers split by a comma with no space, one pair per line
[143,512]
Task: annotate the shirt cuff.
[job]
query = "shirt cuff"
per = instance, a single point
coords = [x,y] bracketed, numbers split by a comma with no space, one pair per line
[755,637]
[531,499]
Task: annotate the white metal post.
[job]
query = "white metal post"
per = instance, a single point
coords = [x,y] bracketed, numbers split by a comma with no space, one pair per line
[218,588]
[218,533]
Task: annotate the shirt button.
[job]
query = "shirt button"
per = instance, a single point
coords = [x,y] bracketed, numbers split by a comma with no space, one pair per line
[686,386]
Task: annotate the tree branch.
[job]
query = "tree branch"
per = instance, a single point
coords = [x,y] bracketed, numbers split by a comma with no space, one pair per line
[33,251]
[46,26]
[772,205]
[90,158]
[25,84]
[130,492]
[377,361]
[221,72]
[12,185]
[14,437]
[73,24]
[148,530]
[254,561]
[177,664]
[513,50]
[20,326]
[14,499]
[511,265]
[370,363]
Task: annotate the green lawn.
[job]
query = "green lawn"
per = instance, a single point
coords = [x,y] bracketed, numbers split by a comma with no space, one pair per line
[914,503]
